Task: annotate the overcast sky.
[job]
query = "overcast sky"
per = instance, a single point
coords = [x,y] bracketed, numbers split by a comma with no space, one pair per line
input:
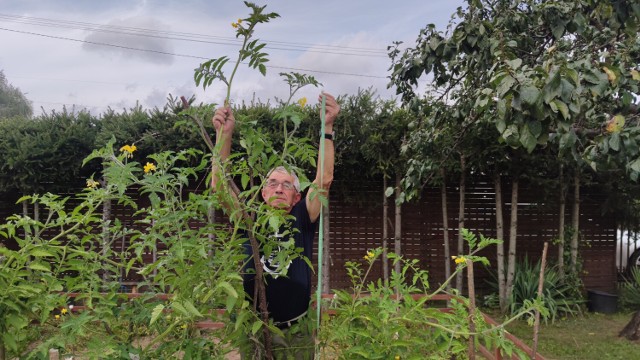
[82,54]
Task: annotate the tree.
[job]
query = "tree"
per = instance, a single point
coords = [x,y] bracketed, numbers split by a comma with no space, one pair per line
[542,72]
[384,133]
[12,101]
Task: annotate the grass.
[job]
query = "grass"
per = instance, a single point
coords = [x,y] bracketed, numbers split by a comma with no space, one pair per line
[584,337]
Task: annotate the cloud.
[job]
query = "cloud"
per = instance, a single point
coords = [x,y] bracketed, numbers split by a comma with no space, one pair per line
[123,38]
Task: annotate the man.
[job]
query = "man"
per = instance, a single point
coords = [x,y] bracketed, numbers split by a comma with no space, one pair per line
[288,290]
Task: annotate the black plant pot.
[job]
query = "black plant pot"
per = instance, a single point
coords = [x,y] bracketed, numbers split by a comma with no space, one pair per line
[602,302]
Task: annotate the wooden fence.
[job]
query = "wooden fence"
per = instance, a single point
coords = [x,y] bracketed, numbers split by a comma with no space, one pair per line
[357,227]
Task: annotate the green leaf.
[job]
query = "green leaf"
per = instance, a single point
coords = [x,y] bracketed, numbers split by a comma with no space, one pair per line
[567,140]
[192,309]
[228,289]
[389,191]
[515,63]
[256,327]
[244,180]
[527,139]
[38,266]
[635,165]
[274,222]
[179,308]
[558,105]
[40,252]
[156,312]
[614,142]
[529,95]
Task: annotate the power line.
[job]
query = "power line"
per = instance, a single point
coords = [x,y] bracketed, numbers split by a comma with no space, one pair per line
[181,55]
[193,37]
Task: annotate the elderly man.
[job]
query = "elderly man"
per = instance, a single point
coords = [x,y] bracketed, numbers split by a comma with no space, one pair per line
[288,286]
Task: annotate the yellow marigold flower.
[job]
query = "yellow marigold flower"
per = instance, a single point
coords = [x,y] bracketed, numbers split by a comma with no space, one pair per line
[235,25]
[239,21]
[302,102]
[57,317]
[460,260]
[63,311]
[397,357]
[92,183]
[149,167]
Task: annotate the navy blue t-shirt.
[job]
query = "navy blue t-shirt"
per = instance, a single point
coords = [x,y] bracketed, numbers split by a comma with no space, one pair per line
[288,294]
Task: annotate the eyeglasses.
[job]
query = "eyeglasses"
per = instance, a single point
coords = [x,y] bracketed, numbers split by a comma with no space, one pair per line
[273,184]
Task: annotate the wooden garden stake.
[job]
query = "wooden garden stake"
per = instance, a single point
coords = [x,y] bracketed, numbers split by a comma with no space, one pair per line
[472,309]
[54,354]
[536,325]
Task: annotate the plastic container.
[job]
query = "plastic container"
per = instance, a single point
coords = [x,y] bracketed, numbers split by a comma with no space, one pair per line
[602,302]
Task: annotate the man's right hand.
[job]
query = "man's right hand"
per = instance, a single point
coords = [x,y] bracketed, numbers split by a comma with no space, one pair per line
[224,121]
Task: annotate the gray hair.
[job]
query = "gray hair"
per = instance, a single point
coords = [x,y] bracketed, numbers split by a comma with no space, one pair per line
[282,169]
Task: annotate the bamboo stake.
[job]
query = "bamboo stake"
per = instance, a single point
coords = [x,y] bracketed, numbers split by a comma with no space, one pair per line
[536,325]
[472,309]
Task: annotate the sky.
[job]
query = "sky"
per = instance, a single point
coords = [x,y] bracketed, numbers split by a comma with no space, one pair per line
[96,55]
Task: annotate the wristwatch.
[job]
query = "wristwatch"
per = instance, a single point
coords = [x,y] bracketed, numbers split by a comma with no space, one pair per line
[331,136]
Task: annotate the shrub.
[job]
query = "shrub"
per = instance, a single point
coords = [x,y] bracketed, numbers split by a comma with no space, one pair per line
[561,296]
[630,292]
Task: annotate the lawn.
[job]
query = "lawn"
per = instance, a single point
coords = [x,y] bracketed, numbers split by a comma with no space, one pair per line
[589,336]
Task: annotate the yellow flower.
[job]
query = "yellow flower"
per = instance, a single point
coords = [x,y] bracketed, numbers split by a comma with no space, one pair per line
[184,326]
[92,183]
[57,317]
[63,311]
[128,150]
[235,25]
[302,102]
[397,357]
[149,167]
[370,255]
[460,259]
[239,21]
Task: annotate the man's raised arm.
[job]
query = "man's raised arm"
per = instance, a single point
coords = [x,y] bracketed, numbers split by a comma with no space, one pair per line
[325,173]
[224,123]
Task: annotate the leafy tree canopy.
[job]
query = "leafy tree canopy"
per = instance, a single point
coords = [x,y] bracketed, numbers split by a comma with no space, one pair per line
[12,101]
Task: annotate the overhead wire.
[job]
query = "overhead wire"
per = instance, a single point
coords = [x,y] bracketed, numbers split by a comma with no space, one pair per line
[182,55]
[193,37]
[186,36]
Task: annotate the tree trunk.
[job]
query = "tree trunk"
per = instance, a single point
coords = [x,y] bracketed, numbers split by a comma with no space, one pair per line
[326,249]
[398,224]
[575,221]
[385,231]
[463,184]
[36,211]
[502,286]
[445,227]
[561,211]
[632,330]
[513,231]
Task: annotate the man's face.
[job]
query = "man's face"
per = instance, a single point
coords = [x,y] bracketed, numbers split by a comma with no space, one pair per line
[278,191]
